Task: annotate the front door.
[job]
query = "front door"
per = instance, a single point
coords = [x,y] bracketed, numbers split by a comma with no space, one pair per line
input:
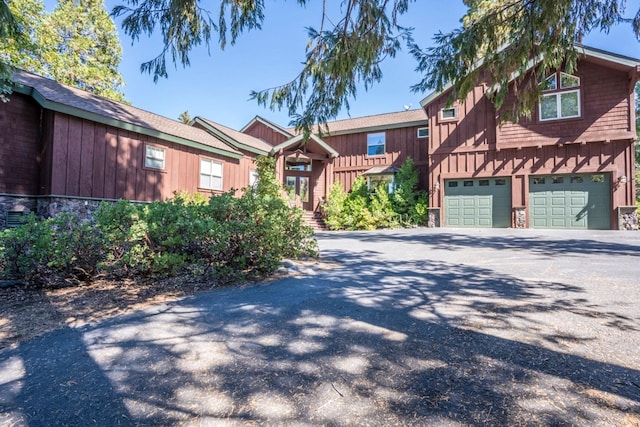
[298,188]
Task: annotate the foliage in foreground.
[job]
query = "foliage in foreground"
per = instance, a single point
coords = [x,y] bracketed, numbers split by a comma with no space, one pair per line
[369,209]
[227,238]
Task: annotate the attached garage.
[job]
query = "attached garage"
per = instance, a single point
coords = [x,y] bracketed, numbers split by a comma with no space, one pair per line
[580,201]
[477,202]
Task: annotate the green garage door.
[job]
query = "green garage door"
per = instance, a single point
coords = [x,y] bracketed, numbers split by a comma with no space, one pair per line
[477,202]
[570,201]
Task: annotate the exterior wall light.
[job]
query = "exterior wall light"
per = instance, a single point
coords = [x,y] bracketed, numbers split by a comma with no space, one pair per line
[622,179]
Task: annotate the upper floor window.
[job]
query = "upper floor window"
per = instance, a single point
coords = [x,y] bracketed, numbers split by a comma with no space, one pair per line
[560,97]
[423,132]
[448,113]
[210,174]
[154,157]
[375,144]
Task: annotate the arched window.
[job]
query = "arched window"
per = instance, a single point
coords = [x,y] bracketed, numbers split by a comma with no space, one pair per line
[560,97]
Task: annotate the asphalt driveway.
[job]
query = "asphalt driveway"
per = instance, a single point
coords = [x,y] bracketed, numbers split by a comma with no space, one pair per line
[410,327]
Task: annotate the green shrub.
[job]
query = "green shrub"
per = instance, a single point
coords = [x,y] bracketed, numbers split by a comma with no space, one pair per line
[49,251]
[361,209]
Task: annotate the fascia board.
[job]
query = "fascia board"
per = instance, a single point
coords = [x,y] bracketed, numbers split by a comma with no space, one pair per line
[379,128]
[229,140]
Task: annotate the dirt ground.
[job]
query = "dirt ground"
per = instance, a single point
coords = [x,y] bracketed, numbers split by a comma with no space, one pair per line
[27,312]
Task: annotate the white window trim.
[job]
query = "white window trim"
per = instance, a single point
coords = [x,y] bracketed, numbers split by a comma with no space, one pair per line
[384,144]
[455,113]
[211,174]
[146,156]
[423,128]
[559,115]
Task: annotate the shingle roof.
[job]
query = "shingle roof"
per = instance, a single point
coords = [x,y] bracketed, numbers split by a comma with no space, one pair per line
[240,137]
[377,122]
[58,97]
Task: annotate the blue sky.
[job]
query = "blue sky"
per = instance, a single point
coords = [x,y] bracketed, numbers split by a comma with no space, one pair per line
[217,86]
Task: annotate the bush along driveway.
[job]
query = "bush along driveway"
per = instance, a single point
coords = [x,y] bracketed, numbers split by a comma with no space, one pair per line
[411,327]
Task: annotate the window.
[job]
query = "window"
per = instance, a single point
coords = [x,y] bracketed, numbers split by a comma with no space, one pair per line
[561,97]
[557,180]
[210,174]
[375,144]
[448,113]
[597,178]
[501,181]
[538,181]
[423,132]
[452,184]
[253,177]
[154,157]
[375,181]
[302,165]
[576,180]
[468,183]
[483,183]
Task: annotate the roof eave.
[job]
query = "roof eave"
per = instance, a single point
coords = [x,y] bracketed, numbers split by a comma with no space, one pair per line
[380,127]
[83,114]
[227,139]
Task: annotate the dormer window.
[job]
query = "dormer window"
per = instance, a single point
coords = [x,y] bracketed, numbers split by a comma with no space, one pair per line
[560,97]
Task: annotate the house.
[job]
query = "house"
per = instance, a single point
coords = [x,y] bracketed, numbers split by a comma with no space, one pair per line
[571,165]
[66,149]
[373,146]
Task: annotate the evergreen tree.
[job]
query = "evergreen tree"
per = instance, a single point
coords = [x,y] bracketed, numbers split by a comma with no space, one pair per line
[184,117]
[77,44]
[355,37]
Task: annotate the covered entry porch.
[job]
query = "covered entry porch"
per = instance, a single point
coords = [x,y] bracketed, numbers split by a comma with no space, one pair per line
[304,167]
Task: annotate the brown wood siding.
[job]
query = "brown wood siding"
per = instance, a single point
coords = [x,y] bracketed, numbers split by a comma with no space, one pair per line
[93,160]
[472,129]
[600,141]
[353,160]
[261,131]
[605,105]
[20,146]
[615,158]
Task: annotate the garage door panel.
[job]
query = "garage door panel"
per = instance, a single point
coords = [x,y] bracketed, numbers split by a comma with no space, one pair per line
[487,205]
[576,201]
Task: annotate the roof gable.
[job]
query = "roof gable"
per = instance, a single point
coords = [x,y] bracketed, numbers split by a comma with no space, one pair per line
[236,139]
[605,58]
[274,126]
[297,139]
[55,96]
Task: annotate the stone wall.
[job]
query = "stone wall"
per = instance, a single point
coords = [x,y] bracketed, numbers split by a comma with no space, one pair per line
[628,218]
[520,217]
[433,217]
[24,204]
[52,206]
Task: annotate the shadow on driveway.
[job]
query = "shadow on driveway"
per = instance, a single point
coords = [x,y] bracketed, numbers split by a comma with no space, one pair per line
[372,341]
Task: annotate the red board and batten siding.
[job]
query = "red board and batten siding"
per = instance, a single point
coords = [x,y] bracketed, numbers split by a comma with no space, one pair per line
[92,160]
[600,141]
[605,106]
[261,131]
[20,146]
[353,160]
